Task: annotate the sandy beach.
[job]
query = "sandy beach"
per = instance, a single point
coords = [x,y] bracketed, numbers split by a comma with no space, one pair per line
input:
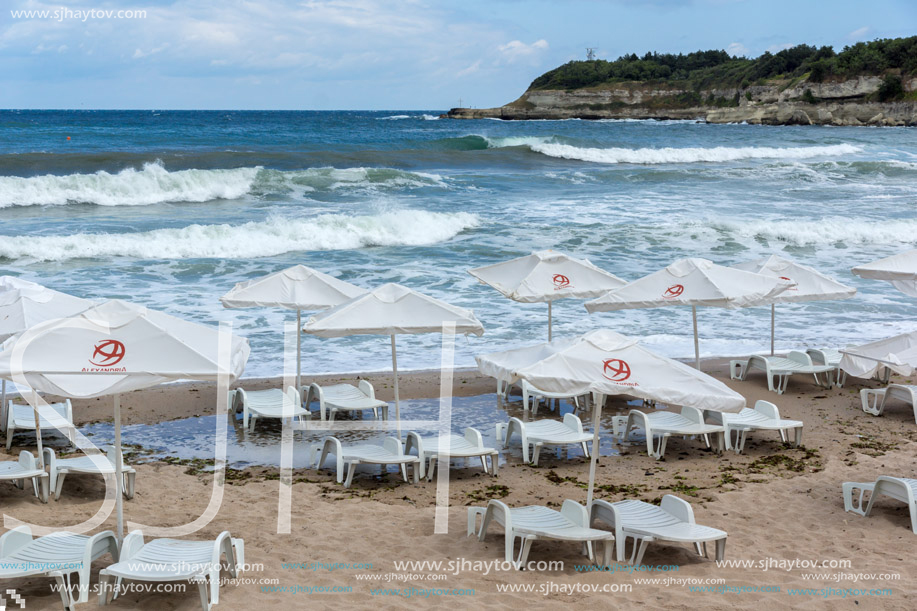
[778,504]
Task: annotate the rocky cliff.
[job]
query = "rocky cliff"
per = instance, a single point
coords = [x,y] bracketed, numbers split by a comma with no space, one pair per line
[796,102]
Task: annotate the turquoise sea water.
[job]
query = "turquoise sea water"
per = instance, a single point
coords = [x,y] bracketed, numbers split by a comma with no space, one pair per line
[170,209]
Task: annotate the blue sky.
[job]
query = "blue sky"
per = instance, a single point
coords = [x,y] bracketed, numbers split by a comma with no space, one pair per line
[380,54]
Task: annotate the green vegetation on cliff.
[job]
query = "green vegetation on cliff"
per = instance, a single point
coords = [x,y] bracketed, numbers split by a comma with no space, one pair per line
[894,57]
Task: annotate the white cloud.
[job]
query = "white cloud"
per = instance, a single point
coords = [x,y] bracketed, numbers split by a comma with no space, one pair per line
[469,70]
[516,49]
[778,48]
[858,33]
[737,49]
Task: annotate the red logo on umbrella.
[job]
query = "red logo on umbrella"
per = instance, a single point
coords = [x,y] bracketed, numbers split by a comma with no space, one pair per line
[673,291]
[561,282]
[792,288]
[615,370]
[107,353]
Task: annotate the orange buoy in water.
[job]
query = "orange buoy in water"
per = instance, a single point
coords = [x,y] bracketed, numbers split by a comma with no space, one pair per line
[68,137]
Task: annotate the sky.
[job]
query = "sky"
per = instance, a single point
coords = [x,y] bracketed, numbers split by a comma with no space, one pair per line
[378,54]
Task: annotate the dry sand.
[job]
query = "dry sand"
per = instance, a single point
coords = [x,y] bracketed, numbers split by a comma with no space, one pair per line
[775,502]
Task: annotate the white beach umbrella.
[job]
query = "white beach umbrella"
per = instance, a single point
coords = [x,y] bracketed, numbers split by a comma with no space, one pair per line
[606,363]
[900,270]
[811,285]
[24,304]
[116,347]
[296,288]
[547,276]
[693,282]
[898,353]
[392,309]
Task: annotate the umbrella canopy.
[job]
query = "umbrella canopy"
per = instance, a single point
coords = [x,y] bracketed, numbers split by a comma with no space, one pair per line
[24,304]
[898,353]
[296,288]
[547,276]
[811,285]
[604,363]
[116,347]
[503,365]
[392,309]
[693,282]
[900,270]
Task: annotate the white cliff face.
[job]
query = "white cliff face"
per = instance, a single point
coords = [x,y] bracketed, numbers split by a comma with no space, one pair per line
[837,103]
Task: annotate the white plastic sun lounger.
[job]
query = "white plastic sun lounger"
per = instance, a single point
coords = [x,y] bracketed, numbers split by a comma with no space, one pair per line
[829,356]
[689,423]
[26,468]
[22,418]
[272,403]
[57,555]
[542,433]
[536,395]
[899,488]
[456,446]
[389,453]
[764,417]
[673,521]
[874,399]
[175,560]
[103,465]
[778,369]
[534,522]
[346,398]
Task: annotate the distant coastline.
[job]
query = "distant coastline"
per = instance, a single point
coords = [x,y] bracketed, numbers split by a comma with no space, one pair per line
[871,83]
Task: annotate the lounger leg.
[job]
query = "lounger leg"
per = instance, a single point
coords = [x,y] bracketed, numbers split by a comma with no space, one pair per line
[641,550]
[585,449]
[590,552]
[350,472]
[202,589]
[536,453]
[430,467]
[494,463]
[60,485]
[64,592]
[607,549]
[700,551]
[524,549]
[129,489]
[45,493]
[720,549]
[484,463]
[104,588]
[798,436]
[743,434]
[404,472]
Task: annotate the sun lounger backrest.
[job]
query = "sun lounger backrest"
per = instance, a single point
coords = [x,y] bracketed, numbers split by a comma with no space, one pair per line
[474,437]
[393,445]
[768,409]
[678,508]
[573,422]
[693,414]
[800,357]
[576,513]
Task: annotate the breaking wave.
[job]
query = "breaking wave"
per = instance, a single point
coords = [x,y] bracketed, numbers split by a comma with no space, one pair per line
[272,237]
[153,184]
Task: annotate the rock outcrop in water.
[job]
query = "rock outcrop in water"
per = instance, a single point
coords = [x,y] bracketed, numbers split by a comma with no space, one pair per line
[872,83]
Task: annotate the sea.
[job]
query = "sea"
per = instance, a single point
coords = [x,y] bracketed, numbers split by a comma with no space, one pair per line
[170,209]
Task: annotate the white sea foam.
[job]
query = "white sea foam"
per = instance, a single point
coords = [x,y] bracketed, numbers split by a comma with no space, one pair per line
[825,231]
[552,148]
[272,237]
[153,184]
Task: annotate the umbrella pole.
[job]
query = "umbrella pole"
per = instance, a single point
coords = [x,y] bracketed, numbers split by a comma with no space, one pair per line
[599,400]
[298,349]
[549,320]
[3,416]
[118,469]
[773,308]
[41,454]
[696,341]
[397,399]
